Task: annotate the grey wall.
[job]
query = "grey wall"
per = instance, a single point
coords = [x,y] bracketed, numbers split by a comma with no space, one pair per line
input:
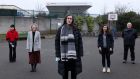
[23,23]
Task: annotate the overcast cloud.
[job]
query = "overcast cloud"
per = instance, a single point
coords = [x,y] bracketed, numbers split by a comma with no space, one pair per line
[98,6]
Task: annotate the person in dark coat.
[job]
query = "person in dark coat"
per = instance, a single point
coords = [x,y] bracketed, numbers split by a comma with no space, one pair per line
[129,36]
[69,49]
[12,37]
[105,45]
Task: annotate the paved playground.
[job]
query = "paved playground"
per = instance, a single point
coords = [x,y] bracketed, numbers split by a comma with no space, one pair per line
[48,68]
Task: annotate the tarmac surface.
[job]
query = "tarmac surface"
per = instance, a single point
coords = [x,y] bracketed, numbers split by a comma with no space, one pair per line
[48,68]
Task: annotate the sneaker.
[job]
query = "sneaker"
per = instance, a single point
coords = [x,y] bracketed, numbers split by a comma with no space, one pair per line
[133,62]
[124,61]
[104,70]
[108,70]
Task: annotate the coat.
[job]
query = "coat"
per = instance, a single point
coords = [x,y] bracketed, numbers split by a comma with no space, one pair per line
[129,36]
[37,41]
[109,41]
[12,36]
[79,51]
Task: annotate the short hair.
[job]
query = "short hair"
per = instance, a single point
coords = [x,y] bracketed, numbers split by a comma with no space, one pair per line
[129,23]
[12,25]
[34,25]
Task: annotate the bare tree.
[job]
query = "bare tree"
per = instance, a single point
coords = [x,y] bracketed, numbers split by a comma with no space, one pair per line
[120,9]
[40,8]
[104,9]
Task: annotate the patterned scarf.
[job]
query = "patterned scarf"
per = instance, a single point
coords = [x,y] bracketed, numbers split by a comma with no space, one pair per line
[67,43]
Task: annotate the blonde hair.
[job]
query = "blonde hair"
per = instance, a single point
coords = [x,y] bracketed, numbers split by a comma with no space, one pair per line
[34,26]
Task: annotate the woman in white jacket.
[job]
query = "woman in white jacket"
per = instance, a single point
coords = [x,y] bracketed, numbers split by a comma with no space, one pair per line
[34,47]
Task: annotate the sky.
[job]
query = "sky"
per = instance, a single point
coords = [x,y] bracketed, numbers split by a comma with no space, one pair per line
[98,6]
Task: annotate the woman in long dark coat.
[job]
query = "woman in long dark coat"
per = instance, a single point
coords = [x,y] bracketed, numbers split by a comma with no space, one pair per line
[69,49]
[105,45]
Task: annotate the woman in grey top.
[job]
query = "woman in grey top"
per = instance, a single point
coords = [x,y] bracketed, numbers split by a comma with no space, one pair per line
[105,45]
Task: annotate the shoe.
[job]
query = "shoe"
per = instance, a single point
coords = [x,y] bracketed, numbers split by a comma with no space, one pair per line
[32,70]
[108,70]
[11,61]
[14,60]
[104,70]
[133,62]
[124,61]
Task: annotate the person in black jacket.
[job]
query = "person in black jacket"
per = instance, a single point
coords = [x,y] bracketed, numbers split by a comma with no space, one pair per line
[105,45]
[129,35]
[69,49]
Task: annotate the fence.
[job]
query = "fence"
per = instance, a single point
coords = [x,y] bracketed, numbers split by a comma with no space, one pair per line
[47,22]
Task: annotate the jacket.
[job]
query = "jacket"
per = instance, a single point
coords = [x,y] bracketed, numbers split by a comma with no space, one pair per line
[129,36]
[37,41]
[79,51]
[12,36]
[109,41]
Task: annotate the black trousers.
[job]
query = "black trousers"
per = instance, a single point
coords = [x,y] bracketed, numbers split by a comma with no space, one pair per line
[12,53]
[126,48]
[70,66]
[105,57]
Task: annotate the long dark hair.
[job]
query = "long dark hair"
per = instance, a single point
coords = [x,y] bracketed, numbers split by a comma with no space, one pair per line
[65,21]
[108,29]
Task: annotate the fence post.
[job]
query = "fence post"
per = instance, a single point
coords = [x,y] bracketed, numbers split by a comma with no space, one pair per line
[50,25]
[33,17]
[14,20]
